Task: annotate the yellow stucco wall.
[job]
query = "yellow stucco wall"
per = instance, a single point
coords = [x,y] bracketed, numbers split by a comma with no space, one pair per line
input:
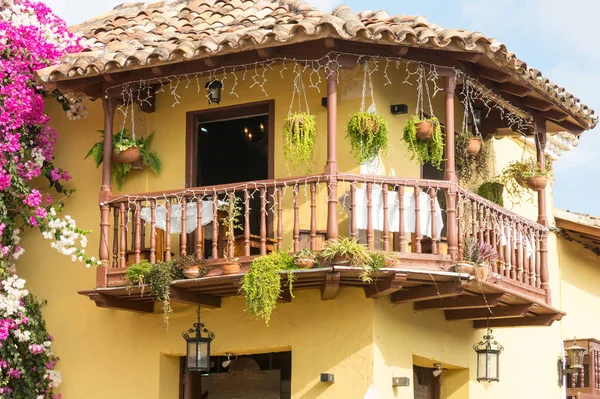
[116,354]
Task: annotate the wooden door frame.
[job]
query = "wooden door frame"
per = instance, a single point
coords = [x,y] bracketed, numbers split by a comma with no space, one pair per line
[221,113]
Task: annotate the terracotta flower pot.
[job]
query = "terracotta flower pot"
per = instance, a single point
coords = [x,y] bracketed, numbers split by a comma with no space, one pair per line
[231,267]
[474,146]
[130,155]
[341,260]
[464,267]
[481,272]
[389,262]
[368,126]
[191,271]
[304,263]
[537,183]
[521,181]
[424,130]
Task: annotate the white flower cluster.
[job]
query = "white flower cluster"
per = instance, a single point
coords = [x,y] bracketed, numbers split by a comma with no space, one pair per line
[22,336]
[54,377]
[38,156]
[10,296]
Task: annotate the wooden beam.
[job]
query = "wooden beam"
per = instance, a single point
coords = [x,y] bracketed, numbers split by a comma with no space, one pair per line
[570,127]
[499,312]
[541,320]
[469,57]
[555,115]
[536,104]
[266,53]
[399,51]
[423,293]
[209,62]
[285,296]
[330,42]
[330,286]
[385,286]
[106,301]
[193,298]
[493,75]
[462,302]
[515,90]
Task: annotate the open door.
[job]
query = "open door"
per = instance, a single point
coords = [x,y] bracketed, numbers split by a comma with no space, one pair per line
[426,385]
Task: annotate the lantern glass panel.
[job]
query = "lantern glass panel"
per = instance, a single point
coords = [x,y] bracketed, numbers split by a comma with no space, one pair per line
[481,365]
[492,366]
[192,348]
[576,355]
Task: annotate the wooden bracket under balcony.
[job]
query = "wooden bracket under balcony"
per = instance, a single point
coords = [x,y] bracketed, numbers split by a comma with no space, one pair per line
[106,301]
[385,286]
[330,286]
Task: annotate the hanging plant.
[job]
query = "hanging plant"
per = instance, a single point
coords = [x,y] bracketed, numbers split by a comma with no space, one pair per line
[368,136]
[431,151]
[468,165]
[518,176]
[123,158]
[492,191]
[299,129]
[261,285]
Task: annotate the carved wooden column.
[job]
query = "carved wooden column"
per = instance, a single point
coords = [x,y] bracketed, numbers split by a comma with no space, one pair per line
[109,104]
[539,132]
[331,167]
[450,172]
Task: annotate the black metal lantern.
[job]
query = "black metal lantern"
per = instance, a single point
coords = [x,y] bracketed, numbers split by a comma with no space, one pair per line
[575,354]
[477,113]
[213,91]
[488,358]
[197,356]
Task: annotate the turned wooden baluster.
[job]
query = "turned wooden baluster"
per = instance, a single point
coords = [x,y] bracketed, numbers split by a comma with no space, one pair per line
[138,231]
[513,250]
[474,219]
[434,244]
[488,226]
[519,250]
[459,225]
[313,216]
[143,233]
[215,227]
[152,231]
[370,232]
[597,369]
[531,259]
[494,242]
[183,240]
[296,221]
[386,227]
[401,236]
[133,225]
[263,221]
[123,235]
[279,219]
[246,223]
[353,233]
[199,230]
[499,248]
[538,281]
[168,230]
[582,378]
[115,247]
[418,236]
[482,226]
[507,260]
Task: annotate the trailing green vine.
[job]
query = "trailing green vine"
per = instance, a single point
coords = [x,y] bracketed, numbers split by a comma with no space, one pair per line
[261,285]
[299,130]
[368,136]
[431,151]
[347,250]
[492,191]
[469,166]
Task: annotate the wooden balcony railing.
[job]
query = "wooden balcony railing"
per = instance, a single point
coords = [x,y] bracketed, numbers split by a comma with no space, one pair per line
[386,213]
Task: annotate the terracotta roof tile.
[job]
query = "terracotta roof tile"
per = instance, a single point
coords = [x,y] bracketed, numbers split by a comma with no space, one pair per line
[143,33]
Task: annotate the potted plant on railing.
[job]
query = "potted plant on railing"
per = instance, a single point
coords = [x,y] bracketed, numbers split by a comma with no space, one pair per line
[192,267]
[232,212]
[477,257]
[261,285]
[305,259]
[471,156]
[381,259]
[299,129]
[348,252]
[368,135]
[421,146]
[127,151]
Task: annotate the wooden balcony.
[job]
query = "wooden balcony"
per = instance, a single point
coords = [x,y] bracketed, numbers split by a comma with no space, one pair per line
[425,222]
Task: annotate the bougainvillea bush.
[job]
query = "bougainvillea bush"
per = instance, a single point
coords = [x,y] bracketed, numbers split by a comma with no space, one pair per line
[31,38]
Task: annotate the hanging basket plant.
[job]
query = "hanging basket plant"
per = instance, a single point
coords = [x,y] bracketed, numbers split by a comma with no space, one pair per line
[425,130]
[431,151]
[521,175]
[368,136]
[299,129]
[127,153]
[471,157]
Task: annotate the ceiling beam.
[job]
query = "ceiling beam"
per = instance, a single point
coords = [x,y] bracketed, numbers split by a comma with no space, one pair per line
[530,321]
[514,90]
[539,105]
[106,301]
[423,293]
[493,74]
[385,286]
[462,302]
[499,312]
[330,286]
[182,295]
[555,115]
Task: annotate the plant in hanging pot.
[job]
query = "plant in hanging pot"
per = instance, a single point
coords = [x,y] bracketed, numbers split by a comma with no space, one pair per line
[124,155]
[299,129]
[492,191]
[368,136]
[261,285]
[192,267]
[468,165]
[232,212]
[305,259]
[474,146]
[431,150]
[526,174]
[348,252]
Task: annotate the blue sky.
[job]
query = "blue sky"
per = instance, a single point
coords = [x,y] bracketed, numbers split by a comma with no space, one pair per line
[558,37]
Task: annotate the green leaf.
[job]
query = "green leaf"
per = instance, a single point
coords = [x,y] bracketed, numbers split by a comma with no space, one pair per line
[153,162]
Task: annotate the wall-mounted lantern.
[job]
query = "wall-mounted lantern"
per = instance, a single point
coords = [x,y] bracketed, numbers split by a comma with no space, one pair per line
[575,354]
[197,356]
[213,91]
[477,112]
[488,358]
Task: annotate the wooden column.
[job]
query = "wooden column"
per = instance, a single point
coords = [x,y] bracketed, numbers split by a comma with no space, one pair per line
[331,167]
[540,146]
[109,104]
[450,172]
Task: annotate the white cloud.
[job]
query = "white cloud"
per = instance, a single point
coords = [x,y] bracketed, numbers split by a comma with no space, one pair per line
[75,12]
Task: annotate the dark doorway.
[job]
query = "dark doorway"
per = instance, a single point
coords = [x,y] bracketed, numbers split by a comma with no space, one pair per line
[426,385]
[261,376]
